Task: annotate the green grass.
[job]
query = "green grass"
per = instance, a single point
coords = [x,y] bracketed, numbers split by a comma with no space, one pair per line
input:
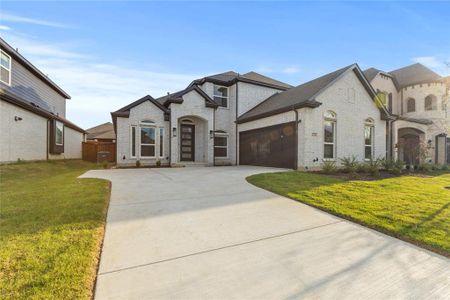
[51,228]
[416,209]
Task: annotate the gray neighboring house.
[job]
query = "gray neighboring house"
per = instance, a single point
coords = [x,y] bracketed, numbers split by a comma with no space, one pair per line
[33,113]
[229,119]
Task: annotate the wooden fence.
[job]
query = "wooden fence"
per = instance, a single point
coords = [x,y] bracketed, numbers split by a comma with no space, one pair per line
[91,151]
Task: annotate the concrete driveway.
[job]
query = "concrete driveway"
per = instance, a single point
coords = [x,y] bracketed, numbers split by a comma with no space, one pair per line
[205,233]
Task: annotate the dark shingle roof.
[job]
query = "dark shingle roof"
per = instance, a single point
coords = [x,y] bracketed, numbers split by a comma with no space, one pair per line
[371,73]
[231,77]
[299,96]
[102,131]
[415,74]
[261,78]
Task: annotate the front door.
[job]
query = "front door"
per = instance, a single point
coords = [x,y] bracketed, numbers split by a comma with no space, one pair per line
[187,142]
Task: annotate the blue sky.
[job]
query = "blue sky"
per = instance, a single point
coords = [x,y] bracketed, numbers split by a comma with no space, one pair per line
[108,54]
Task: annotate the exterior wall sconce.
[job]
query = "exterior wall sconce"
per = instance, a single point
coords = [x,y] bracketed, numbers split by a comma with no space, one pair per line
[16,118]
[211,134]
[174,131]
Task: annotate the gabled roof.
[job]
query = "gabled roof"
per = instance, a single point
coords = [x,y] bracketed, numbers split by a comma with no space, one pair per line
[24,62]
[415,74]
[177,97]
[229,78]
[102,131]
[371,73]
[303,95]
[9,97]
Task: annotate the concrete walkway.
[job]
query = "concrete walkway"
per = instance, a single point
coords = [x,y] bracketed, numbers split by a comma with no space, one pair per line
[205,233]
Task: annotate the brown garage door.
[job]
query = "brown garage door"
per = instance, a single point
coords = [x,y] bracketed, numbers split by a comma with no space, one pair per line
[272,146]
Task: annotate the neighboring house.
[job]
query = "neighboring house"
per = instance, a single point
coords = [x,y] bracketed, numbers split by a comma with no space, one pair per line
[228,119]
[418,98]
[32,113]
[101,133]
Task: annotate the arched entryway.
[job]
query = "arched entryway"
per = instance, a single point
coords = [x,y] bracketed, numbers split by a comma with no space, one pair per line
[411,146]
[193,139]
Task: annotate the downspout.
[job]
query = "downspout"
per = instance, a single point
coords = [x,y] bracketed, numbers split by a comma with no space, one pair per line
[236,124]
[296,140]
[170,140]
[213,135]
[47,146]
[392,140]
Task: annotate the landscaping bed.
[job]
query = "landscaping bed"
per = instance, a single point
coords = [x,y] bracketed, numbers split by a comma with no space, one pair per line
[411,207]
[52,226]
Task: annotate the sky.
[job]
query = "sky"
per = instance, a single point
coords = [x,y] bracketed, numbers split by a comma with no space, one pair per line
[107,54]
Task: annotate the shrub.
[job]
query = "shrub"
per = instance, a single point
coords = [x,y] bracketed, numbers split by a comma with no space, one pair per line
[427,167]
[362,167]
[395,171]
[105,165]
[138,164]
[387,164]
[445,167]
[374,167]
[349,164]
[158,163]
[329,167]
[399,164]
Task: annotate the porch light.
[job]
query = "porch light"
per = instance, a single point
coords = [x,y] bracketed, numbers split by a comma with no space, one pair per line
[211,134]
[174,131]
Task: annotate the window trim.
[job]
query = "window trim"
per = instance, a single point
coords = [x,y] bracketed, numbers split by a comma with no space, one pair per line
[408,101]
[62,133]
[9,70]
[222,97]
[161,142]
[369,123]
[333,119]
[433,103]
[131,141]
[221,135]
[142,144]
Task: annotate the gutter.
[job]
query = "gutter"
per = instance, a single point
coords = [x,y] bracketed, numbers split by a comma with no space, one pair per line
[236,125]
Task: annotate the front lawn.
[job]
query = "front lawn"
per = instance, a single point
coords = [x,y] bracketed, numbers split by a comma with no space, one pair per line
[416,209]
[51,228]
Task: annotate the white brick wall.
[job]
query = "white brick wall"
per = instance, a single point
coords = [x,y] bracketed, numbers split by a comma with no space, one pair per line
[144,111]
[27,139]
[193,106]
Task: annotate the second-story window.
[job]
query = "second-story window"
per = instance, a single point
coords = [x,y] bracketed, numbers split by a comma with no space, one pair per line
[221,95]
[5,68]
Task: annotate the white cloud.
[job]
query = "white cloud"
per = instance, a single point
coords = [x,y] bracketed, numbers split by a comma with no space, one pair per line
[4,27]
[291,70]
[7,17]
[278,69]
[437,64]
[96,88]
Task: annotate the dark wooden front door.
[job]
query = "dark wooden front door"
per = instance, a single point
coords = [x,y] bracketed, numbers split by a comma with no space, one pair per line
[272,146]
[187,139]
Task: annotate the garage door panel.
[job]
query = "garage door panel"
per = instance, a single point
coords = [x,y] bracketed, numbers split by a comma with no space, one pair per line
[272,146]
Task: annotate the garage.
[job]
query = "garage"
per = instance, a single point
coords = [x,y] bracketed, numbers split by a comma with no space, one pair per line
[273,146]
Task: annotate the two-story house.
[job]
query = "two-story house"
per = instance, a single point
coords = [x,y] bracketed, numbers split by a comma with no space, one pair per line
[229,118]
[418,98]
[33,113]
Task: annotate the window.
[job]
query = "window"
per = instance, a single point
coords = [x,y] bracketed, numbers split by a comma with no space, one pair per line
[161,142]
[59,133]
[368,139]
[221,95]
[221,145]
[133,141]
[5,68]
[329,135]
[411,105]
[147,142]
[430,102]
